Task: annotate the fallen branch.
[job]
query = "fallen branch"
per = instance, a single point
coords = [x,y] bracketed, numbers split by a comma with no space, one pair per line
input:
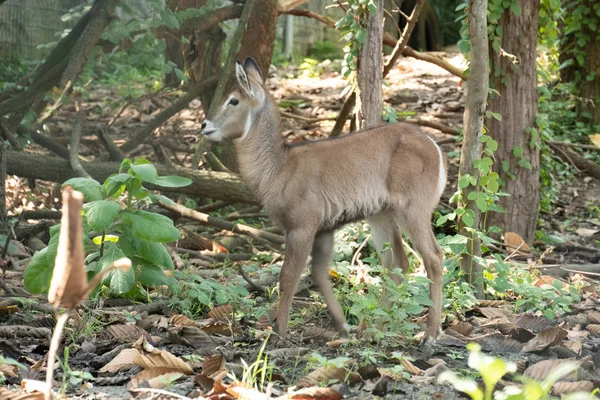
[255,286]
[113,150]
[591,147]
[588,166]
[215,185]
[305,119]
[435,125]
[206,219]
[74,149]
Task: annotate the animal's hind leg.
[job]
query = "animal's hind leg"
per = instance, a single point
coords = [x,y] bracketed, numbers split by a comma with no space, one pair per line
[322,255]
[419,230]
[385,231]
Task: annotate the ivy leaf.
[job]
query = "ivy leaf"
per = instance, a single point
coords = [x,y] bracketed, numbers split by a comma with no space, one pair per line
[361,35]
[151,275]
[90,188]
[38,273]
[146,172]
[463,181]
[467,218]
[172,181]
[515,8]
[151,226]
[100,214]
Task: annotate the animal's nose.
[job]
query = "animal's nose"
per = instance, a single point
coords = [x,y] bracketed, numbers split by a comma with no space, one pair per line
[203,125]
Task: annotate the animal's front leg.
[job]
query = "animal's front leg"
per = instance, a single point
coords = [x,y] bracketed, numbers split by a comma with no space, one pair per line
[298,243]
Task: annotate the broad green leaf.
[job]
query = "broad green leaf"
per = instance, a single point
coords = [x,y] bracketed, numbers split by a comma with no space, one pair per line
[101,213]
[90,188]
[361,35]
[155,253]
[146,172]
[172,181]
[463,181]
[119,282]
[38,273]
[151,275]
[468,219]
[159,198]
[52,248]
[151,226]
[12,248]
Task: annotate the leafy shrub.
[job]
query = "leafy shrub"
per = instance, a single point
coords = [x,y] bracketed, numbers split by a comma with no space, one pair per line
[116,227]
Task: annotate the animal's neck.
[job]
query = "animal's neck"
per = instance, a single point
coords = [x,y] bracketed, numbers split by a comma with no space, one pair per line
[262,153]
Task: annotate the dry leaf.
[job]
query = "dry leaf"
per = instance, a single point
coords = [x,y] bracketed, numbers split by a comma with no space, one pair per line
[464,328]
[540,370]
[9,370]
[69,279]
[288,352]
[595,139]
[492,312]
[514,241]
[585,232]
[143,345]
[180,320]
[315,393]
[156,378]
[221,313]
[126,333]
[124,361]
[163,359]
[561,388]
[213,327]
[244,392]
[548,280]
[33,386]
[334,344]
[594,329]
[532,322]
[327,374]
[6,394]
[491,303]
[594,317]
[498,343]
[213,364]
[410,367]
[544,339]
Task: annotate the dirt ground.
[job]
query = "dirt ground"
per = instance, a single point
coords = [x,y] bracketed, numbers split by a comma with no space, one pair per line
[199,356]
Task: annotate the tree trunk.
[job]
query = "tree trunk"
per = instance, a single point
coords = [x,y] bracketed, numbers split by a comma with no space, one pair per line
[370,71]
[3,216]
[477,92]
[518,155]
[212,185]
[257,42]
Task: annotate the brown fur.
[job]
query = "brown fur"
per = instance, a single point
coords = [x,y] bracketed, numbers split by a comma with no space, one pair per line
[389,175]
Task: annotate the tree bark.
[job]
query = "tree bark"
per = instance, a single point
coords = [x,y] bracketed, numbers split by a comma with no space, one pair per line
[370,71]
[517,104]
[477,92]
[214,185]
[3,215]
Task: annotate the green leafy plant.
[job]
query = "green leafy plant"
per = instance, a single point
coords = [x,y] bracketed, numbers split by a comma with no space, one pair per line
[115,226]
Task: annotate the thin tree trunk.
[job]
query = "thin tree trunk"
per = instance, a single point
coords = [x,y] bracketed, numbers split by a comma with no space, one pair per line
[370,71]
[477,92]
[3,216]
[518,156]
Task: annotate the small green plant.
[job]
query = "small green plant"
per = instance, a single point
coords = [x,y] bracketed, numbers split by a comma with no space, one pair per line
[115,226]
[493,369]
[256,374]
[71,377]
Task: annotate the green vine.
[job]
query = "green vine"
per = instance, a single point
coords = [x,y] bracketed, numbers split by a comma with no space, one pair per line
[353,28]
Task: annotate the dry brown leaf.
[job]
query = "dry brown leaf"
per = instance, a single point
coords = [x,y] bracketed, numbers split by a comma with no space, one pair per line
[594,329]
[334,344]
[221,313]
[9,370]
[163,359]
[263,322]
[315,393]
[492,312]
[491,303]
[514,241]
[508,328]
[327,374]
[410,367]
[69,279]
[594,317]
[540,370]
[287,352]
[595,139]
[561,388]
[126,333]
[214,327]
[8,307]
[532,322]
[124,361]
[213,364]
[6,394]
[464,328]
[180,320]
[498,343]
[545,339]
[586,232]
[156,378]
[144,346]
[393,374]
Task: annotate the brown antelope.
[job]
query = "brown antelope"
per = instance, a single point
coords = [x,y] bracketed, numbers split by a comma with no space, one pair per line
[392,175]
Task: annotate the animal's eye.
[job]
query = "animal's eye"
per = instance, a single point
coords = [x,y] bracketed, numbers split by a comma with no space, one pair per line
[234,102]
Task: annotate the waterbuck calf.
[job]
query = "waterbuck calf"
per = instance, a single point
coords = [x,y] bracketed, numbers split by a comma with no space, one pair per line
[392,175]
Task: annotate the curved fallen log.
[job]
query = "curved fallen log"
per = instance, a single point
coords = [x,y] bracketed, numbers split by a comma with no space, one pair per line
[214,185]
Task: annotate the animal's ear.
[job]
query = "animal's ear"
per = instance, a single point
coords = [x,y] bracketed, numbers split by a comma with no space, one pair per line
[253,70]
[242,78]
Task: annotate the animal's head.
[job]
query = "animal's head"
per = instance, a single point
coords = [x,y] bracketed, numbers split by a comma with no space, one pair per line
[234,118]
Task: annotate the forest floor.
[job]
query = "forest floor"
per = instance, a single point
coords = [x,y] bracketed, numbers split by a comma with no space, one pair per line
[123,344]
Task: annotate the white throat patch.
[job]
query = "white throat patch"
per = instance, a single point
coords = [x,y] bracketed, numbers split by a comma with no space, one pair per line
[247,126]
